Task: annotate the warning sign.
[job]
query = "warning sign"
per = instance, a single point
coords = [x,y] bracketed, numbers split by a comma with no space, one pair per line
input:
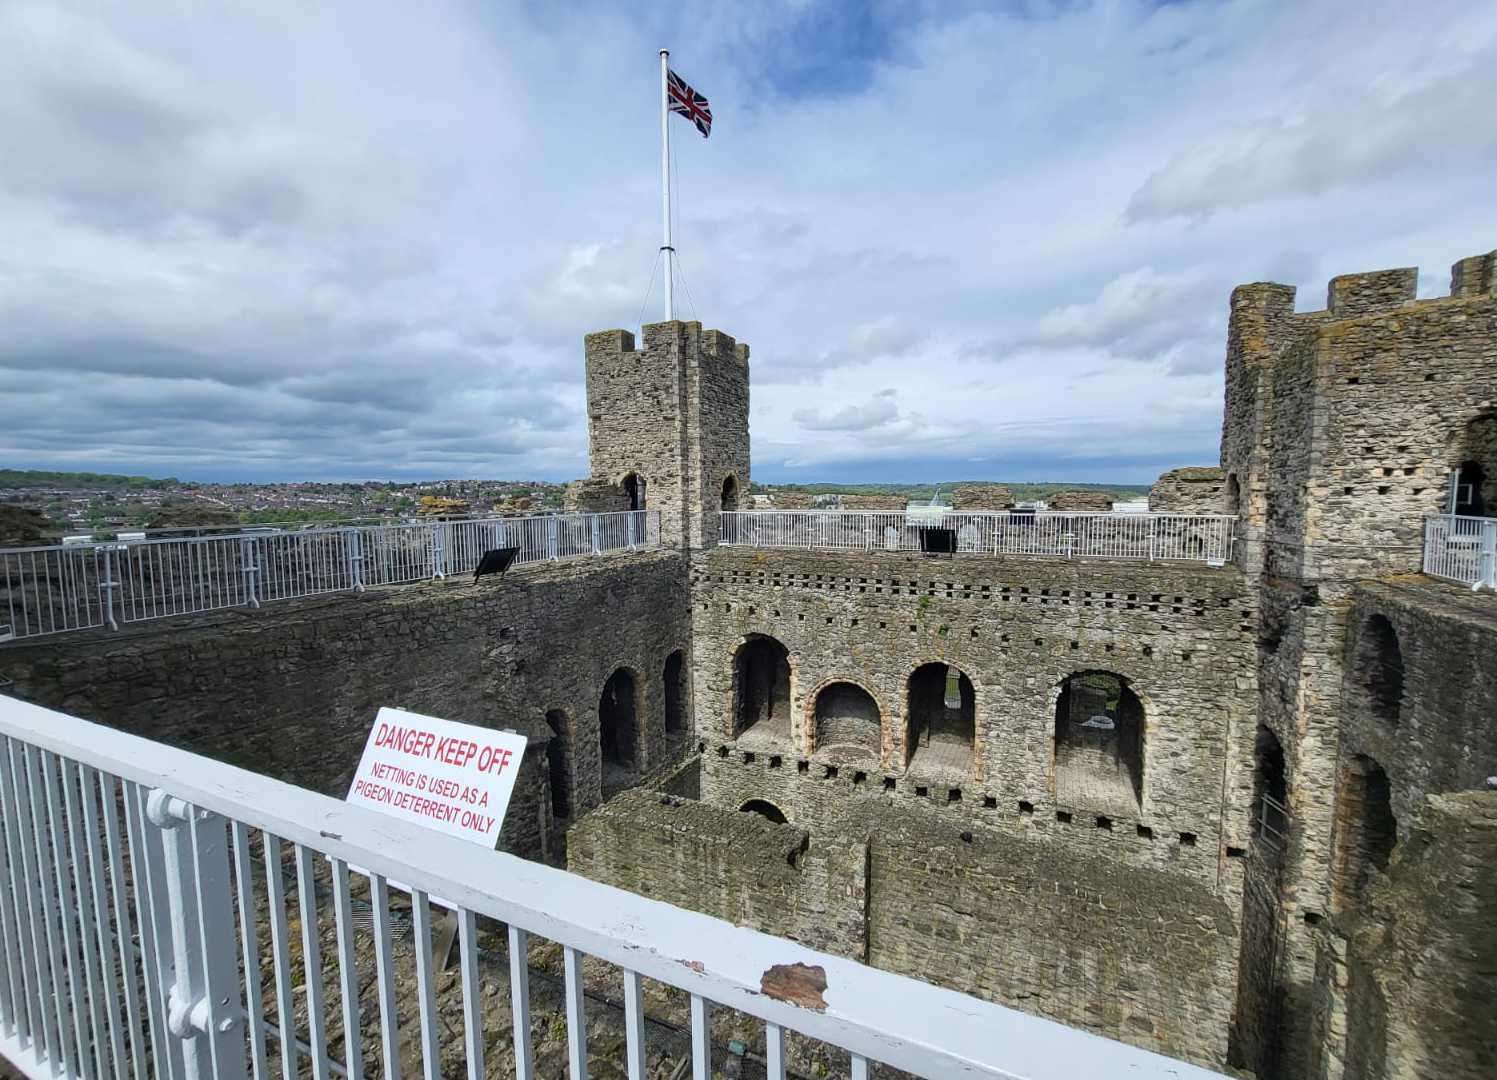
[448,776]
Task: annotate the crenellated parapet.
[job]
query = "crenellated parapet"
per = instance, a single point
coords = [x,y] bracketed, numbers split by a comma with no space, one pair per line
[668,424]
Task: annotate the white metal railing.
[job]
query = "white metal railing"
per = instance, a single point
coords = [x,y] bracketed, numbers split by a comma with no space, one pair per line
[109,839]
[47,590]
[1462,549]
[1193,537]
[1272,822]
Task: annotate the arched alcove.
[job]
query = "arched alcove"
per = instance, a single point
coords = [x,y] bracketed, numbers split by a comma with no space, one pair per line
[1232,498]
[556,763]
[761,688]
[1377,669]
[847,722]
[765,809]
[618,731]
[1270,789]
[1099,743]
[941,720]
[675,693]
[1366,830]
[634,491]
[1473,460]
[730,493]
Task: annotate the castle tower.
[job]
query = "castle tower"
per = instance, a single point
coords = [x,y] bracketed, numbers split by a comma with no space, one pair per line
[668,427]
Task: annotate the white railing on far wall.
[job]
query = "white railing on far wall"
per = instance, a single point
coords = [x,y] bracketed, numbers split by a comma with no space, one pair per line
[1189,537]
[144,932]
[1462,549]
[47,590]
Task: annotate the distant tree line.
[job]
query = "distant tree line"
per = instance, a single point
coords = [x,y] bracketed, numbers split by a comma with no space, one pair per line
[42,478]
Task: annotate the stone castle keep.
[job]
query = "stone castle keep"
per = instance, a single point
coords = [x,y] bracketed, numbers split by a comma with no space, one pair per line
[1237,813]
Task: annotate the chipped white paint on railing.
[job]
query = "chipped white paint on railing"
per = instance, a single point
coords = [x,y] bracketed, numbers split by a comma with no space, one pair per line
[1462,549]
[1159,537]
[185,813]
[49,590]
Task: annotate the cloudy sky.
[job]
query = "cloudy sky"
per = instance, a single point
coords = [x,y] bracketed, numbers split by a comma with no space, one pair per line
[364,239]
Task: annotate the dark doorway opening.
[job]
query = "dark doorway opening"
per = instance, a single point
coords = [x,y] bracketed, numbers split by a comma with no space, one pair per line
[1099,724]
[618,731]
[942,720]
[634,491]
[765,809]
[675,693]
[1366,830]
[556,763]
[761,688]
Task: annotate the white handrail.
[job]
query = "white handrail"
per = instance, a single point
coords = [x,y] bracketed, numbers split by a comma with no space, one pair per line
[873,1015]
[1461,549]
[1204,538]
[57,588]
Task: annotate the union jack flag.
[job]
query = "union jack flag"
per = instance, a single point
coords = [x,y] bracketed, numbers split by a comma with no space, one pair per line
[690,104]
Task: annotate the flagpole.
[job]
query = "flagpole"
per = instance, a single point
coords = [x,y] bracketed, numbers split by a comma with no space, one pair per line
[665,176]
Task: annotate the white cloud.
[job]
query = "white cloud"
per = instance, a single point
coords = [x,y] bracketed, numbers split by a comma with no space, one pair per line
[878,411]
[354,239]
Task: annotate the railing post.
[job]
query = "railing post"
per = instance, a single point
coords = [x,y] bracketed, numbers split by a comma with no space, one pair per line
[250,568]
[204,1007]
[355,559]
[630,528]
[1487,571]
[596,524]
[438,556]
[1153,530]
[107,585]
[552,530]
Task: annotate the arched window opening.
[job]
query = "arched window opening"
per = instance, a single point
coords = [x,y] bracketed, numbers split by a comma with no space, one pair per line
[1470,494]
[1270,789]
[634,491]
[765,809]
[618,731]
[1473,462]
[556,763]
[675,693]
[1099,743]
[1366,830]
[848,725]
[730,494]
[942,721]
[1233,500]
[761,688]
[1377,667]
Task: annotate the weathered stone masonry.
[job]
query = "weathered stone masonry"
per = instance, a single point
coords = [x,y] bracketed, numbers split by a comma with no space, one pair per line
[291,689]
[1017,628]
[906,727]
[1341,431]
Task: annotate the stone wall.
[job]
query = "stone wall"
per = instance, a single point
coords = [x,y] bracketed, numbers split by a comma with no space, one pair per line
[1182,638]
[1406,987]
[1339,431]
[737,866]
[1080,500]
[1190,491]
[982,497]
[849,501]
[1144,957]
[594,496]
[291,689]
[1137,955]
[1441,733]
[717,431]
[675,414]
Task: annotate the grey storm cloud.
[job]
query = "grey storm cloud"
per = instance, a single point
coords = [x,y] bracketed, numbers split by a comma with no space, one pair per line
[365,239]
